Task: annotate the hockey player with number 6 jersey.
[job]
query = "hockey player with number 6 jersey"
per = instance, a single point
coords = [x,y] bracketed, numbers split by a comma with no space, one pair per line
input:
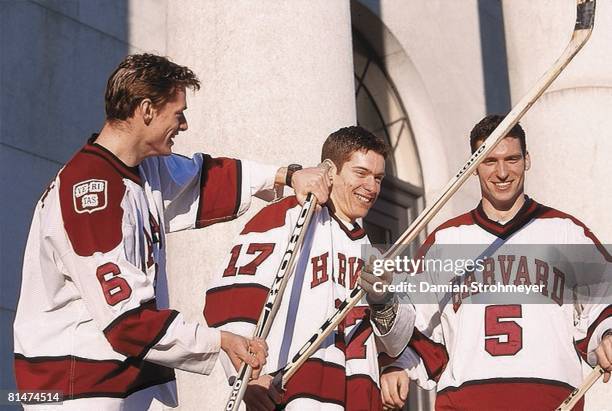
[93,321]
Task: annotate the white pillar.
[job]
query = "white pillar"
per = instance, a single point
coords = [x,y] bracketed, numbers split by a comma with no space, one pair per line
[569,130]
[277,78]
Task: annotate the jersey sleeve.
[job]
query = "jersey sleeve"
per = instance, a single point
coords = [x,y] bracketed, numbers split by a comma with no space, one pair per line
[425,356]
[202,190]
[240,287]
[593,308]
[100,254]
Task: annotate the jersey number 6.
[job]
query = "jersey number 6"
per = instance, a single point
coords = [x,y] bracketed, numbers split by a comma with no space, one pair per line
[115,288]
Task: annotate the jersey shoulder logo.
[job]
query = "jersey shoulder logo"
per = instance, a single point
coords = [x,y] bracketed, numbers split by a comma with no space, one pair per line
[89,196]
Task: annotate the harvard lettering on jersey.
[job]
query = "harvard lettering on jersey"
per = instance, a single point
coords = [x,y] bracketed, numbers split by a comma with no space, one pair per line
[513,356]
[343,373]
[92,319]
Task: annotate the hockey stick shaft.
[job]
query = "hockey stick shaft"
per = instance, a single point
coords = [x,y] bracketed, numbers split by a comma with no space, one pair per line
[275,294]
[579,392]
[585,10]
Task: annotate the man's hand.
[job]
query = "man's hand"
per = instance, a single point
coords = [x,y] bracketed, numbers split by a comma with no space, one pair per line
[394,384]
[313,180]
[239,349]
[604,355]
[367,280]
[262,395]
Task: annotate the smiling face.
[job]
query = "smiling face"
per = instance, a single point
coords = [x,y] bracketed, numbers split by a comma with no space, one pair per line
[502,174]
[165,124]
[357,185]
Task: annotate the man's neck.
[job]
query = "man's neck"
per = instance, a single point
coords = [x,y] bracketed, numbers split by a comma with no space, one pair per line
[119,140]
[339,215]
[502,214]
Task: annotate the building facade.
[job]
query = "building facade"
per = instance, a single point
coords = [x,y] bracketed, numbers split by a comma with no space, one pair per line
[277,78]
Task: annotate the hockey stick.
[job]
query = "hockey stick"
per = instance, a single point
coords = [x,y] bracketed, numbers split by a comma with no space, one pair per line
[585,13]
[579,392]
[275,294]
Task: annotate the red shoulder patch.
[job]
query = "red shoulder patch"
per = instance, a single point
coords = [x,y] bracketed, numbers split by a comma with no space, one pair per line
[271,216]
[91,191]
[89,196]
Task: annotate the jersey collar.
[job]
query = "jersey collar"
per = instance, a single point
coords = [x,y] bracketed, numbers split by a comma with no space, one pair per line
[355,234]
[528,211]
[126,171]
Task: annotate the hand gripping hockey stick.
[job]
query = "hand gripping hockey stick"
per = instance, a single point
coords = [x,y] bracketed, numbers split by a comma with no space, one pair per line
[585,13]
[579,392]
[275,294]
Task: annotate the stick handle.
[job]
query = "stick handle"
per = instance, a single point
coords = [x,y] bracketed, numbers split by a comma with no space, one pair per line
[579,392]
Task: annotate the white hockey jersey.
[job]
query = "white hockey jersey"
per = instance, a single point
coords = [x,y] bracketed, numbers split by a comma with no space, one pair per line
[344,372]
[507,356]
[92,320]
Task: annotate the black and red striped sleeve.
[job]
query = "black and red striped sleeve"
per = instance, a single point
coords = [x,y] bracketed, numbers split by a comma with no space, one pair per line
[204,190]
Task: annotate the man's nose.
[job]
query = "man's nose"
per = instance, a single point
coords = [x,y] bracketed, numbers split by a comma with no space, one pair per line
[183,126]
[502,170]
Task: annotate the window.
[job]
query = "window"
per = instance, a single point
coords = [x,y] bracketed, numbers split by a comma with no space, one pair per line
[379,110]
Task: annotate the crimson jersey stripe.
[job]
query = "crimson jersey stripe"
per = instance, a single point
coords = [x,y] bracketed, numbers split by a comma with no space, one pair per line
[326,382]
[270,217]
[552,213]
[220,190]
[136,331]
[528,211]
[238,302]
[126,171]
[355,234]
[520,394]
[583,344]
[317,379]
[362,393]
[80,378]
[434,355]
[463,219]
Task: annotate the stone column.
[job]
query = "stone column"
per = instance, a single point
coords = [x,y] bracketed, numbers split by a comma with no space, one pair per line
[569,130]
[277,78]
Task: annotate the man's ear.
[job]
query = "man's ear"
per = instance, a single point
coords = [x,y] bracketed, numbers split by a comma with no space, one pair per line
[527,161]
[146,109]
[332,170]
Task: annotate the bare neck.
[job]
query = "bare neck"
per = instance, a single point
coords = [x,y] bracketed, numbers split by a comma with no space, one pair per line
[121,140]
[502,215]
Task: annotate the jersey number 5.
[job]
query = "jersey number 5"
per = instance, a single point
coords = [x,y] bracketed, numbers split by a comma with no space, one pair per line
[115,289]
[495,328]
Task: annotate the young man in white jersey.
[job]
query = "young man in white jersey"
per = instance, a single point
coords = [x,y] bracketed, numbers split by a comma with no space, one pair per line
[343,372]
[508,356]
[92,321]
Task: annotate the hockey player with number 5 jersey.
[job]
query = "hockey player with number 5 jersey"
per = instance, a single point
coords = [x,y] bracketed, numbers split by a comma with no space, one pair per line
[507,355]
